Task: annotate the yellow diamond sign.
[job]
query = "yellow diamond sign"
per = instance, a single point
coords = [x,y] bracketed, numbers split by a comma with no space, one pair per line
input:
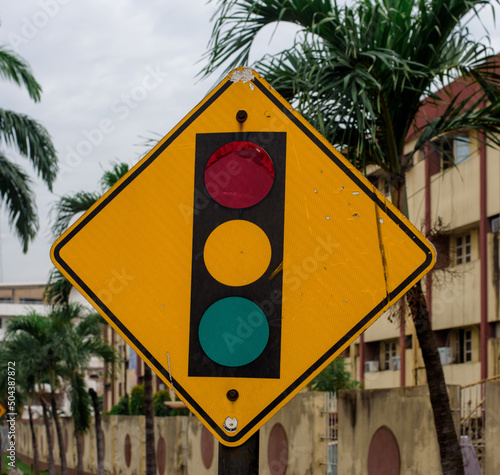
[241,255]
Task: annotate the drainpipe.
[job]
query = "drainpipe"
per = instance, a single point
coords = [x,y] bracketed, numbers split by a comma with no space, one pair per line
[483,256]
[428,226]
[403,204]
[402,337]
[362,358]
[113,379]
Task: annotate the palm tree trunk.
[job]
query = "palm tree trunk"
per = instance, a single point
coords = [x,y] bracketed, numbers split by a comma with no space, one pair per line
[55,415]
[98,433]
[50,445]
[150,425]
[79,452]
[449,446]
[36,467]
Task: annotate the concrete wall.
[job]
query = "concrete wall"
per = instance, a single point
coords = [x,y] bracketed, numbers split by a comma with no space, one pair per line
[456,302]
[304,422]
[184,446]
[462,374]
[406,412]
[189,448]
[492,427]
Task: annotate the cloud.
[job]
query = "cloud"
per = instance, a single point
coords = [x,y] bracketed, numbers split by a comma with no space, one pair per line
[89,57]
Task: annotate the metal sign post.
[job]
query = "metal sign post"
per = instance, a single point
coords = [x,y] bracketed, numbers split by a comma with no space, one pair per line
[240,460]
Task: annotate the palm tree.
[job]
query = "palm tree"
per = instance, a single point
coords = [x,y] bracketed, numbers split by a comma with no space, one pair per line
[98,432]
[43,332]
[58,288]
[63,212]
[28,338]
[358,73]
[50,442]
[28,138]
[149,421]
[55,347]
[79,338]
[20,350]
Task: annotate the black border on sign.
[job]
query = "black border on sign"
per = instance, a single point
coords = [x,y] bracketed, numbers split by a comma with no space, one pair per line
[353,176]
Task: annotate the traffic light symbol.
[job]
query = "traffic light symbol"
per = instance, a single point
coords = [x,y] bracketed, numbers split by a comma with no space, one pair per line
[236,286]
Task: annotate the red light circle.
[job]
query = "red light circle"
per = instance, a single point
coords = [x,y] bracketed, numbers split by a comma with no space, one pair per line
[239,174]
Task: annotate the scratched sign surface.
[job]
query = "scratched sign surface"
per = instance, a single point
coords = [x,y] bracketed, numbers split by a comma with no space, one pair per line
[173,258]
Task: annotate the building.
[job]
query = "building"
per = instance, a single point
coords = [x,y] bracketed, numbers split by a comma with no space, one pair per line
[19,299]
[458,208]
[129,372]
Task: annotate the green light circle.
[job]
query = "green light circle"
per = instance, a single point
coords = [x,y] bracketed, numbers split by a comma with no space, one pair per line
[233,331]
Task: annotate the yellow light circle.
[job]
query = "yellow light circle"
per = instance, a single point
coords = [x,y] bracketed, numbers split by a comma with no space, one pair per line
[237,253]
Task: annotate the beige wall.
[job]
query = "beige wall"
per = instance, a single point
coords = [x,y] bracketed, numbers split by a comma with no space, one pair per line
[383,328]
[492,427]
[463,374]
[381,379]
[405,411]
[415,188]
[388,378]
[17,292]
[493,276]
[303,420]
[455,194]
[493,174]
[455,301]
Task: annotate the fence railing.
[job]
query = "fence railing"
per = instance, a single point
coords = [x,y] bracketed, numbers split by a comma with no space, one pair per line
[330,437]
[472,423]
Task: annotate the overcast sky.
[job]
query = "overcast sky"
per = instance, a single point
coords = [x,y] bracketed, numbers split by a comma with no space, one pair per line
[111,71]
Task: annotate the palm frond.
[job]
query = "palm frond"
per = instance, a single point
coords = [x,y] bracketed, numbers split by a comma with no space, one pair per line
[64,210]
[239,21]
[31,140]
[14,68]
[16,192]
[31,323]
[110,177]
[361,69]
[80,403]
[57,290]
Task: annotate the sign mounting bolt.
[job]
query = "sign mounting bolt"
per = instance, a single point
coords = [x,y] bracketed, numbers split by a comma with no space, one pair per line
[241,116]
[232,395]
[230,424]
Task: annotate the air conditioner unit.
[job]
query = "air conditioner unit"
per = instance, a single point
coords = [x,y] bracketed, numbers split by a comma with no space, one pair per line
[395,363]
[371,366]
[445,355]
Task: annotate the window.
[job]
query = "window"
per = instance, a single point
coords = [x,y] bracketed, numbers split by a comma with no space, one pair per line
[446,153]
[463,249]
[387,188]
[449,151]
[389,352]
[462,148]
[30,300]
[463,346]
[495,223]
